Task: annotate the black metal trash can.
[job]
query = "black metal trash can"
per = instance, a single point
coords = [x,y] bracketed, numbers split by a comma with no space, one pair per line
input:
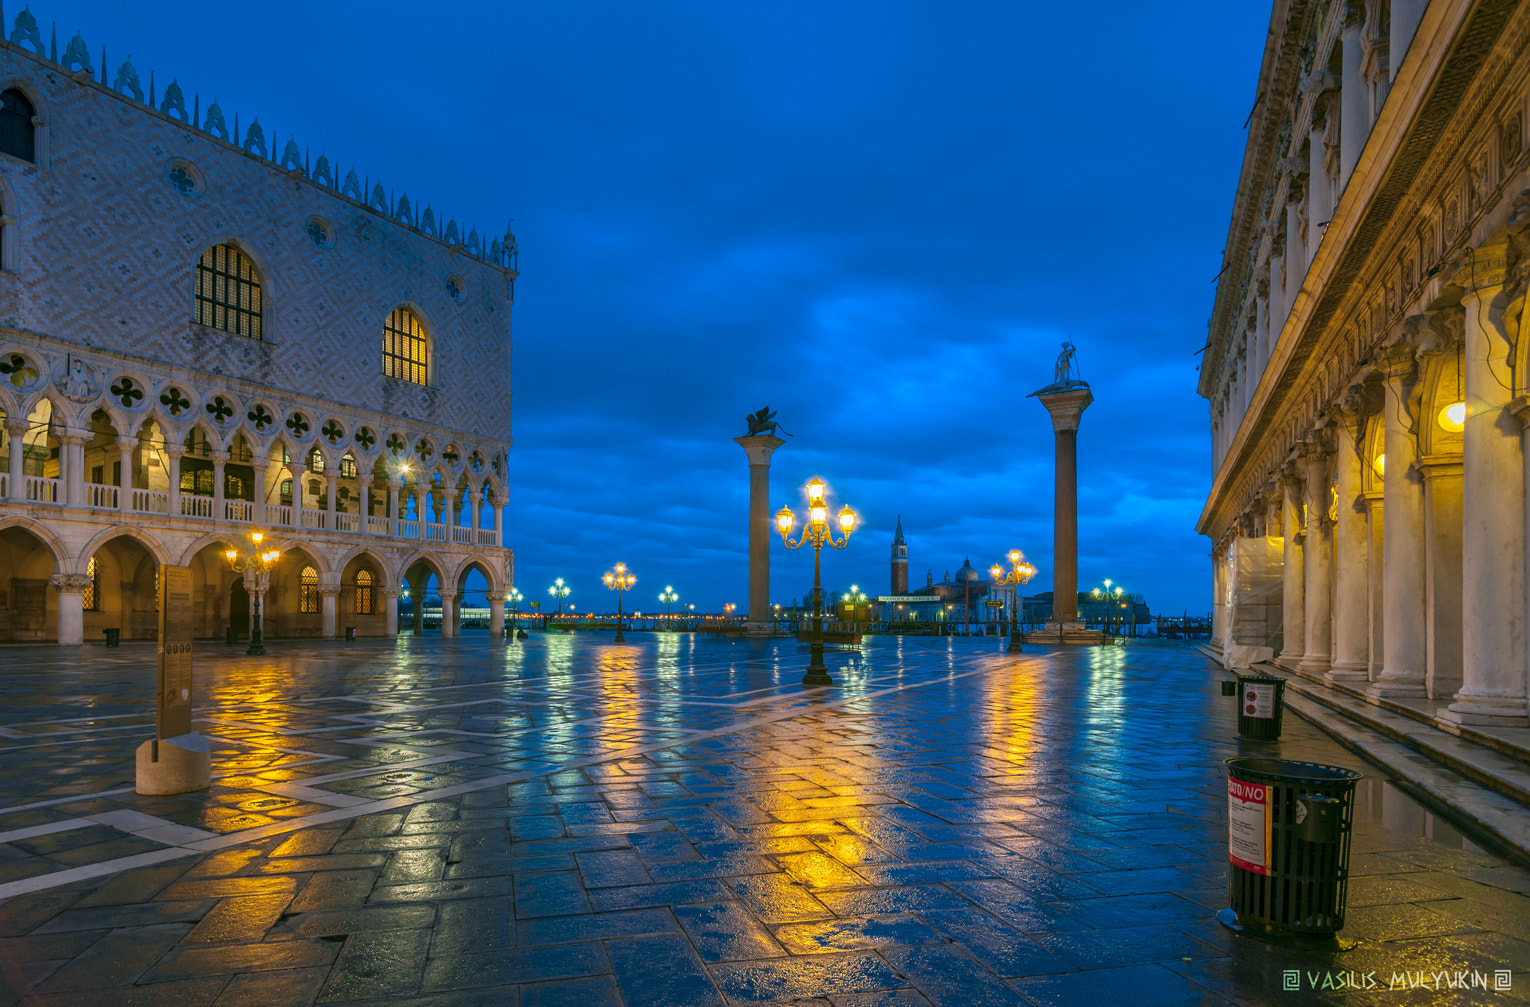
[350,634]
[1288,831]
[232,636]
[113,636]
[1261,703]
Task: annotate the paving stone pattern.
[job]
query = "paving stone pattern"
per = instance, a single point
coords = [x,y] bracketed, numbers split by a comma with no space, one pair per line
[676,823]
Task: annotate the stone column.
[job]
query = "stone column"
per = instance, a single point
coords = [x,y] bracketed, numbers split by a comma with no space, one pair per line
[70,588]
[390,611]
[1493,510]
[1066,407]
[220,459]
[1354,99]
[17,430]
[1376,591]
[1293,616]
[1350,597]
[72,455]
[1296,250]
[173,453]
[499,525]
[1317,563]
[1263,343]
[331,499]
[1403,651]
[1319,199]
[298,470]
[1442,573]
[496,615]
[419,512]
[126,446]
[474,502]
[1279,306]
[448,613]
[258,507]
[417,596]
[364,504]
[327,606]
[758,450]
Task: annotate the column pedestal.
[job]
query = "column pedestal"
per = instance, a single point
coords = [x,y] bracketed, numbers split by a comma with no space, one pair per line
[448,614]
[1317,565]
[1293,615]
[328,597]
[1350,622]
[496,616]
[759,449]
[70,588]
[390,612]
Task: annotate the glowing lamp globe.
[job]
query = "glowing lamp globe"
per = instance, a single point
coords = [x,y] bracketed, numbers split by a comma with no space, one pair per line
[1453,417]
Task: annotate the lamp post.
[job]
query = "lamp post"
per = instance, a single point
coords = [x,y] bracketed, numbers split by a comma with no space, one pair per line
[619,579]
[1019,574]
[728,610]
[668,597]
[1113,601]
[559,591]
[514,596]
[256,567]
[817,531]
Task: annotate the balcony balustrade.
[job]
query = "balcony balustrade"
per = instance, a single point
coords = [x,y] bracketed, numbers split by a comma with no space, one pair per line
[98,496]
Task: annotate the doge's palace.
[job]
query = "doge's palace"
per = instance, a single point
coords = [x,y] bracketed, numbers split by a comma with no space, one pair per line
[208,331]
[1368,365]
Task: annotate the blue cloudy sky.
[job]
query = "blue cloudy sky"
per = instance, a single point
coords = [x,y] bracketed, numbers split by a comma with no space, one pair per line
[879,217]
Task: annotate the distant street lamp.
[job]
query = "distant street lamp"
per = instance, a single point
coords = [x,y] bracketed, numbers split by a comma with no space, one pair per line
[1113,599]
[1020,573]
[619,579]
[256,567]
[667,596]
[559,591]
[818,532]
[728,610]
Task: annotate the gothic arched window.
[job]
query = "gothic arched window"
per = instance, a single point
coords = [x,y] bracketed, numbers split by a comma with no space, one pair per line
[308,590]
[406,349]
[228,292]
[363,592]
[18,137]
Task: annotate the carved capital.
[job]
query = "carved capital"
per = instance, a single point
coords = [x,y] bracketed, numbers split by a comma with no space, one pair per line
[494,596]
[70,583]
[1481,271]
[329,590]
[391,593]
[127,443]
[17,426]
[221,457]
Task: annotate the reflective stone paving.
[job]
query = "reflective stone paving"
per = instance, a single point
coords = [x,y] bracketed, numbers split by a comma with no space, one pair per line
[677,822]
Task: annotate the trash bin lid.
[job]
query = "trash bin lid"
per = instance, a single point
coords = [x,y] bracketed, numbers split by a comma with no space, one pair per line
[1289,770]
[1259,678]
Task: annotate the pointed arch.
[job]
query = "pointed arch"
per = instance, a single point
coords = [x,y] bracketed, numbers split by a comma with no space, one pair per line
[153,545]
[231,287]
[384,568]
[316,557]
[41,532]
[495,577]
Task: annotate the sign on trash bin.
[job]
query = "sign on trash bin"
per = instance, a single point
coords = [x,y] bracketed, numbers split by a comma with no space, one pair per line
[1248,825]
[1259,700]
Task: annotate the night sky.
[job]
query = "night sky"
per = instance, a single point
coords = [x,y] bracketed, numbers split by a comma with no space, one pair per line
[880,218]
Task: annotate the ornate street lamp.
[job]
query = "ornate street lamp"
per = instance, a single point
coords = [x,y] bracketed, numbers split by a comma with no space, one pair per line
[1019,575]
[817,531]
[1113,601]
[256,567]
[619,579]
[668,597]
[514,597]
[559,591]
[728,610]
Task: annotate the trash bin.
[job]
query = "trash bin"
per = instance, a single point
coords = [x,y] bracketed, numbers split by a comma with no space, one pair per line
[1261,701]
[113,636]
[232,636]
[1288,831]
[350,634]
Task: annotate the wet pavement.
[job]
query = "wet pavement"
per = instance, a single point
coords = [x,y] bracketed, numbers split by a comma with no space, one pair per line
[677,822]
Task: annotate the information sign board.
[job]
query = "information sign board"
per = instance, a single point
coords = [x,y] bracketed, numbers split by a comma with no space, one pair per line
[1248,825]
[173,709]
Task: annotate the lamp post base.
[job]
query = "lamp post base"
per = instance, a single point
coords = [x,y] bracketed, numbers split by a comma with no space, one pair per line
[1014,644]
[619,637]
[817,676]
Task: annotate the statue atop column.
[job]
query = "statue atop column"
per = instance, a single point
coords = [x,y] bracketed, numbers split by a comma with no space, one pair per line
[1066,374]
[762,422]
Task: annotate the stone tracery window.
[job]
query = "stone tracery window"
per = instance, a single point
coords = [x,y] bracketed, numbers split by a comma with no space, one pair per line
[18,137]
[363,592]
[228,292]
[406,349]
[308,590]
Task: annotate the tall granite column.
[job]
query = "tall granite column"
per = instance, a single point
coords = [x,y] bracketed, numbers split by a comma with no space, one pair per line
[1066,407]
[759,449]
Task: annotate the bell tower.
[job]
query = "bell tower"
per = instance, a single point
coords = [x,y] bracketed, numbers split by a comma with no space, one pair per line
[899,561]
